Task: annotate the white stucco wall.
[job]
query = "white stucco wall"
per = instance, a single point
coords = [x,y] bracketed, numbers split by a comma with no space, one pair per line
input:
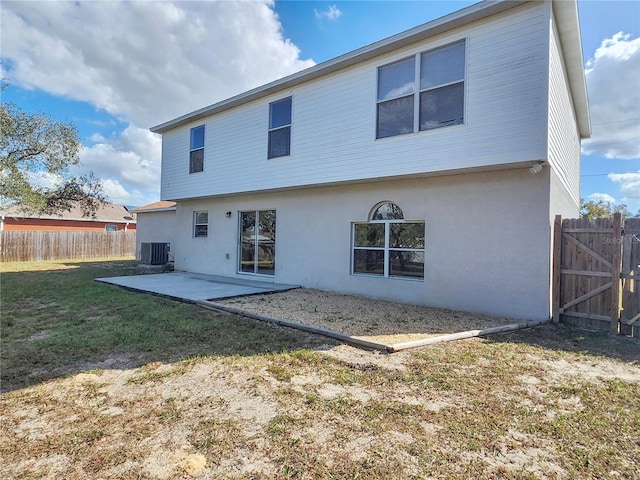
[156,227]
[487,239]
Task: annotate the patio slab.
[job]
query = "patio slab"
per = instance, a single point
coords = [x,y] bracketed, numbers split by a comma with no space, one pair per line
[195,287]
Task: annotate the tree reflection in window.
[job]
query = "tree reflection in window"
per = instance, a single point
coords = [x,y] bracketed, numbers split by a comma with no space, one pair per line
[387,211]
[388,245]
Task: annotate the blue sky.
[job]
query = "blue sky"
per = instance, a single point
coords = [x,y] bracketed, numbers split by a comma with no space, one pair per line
[115,69]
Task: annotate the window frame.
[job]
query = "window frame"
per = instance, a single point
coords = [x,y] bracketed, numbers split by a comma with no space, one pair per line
[279,127]
[387,248]
[197,224]
[417,92]
[256,269]
[194,149]
[110,227]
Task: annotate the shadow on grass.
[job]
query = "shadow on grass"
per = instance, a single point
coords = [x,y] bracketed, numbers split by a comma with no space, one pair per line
[57,321]
[562,337]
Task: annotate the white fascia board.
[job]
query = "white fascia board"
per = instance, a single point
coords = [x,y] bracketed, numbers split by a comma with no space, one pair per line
[566,14]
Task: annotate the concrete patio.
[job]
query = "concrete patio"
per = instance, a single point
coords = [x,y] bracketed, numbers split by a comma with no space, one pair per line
[195,287]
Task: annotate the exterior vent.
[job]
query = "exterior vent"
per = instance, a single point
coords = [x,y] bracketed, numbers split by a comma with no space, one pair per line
[153,253]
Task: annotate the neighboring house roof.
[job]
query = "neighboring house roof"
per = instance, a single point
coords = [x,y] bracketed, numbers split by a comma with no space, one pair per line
[107,212]
[161,206]
[566,13]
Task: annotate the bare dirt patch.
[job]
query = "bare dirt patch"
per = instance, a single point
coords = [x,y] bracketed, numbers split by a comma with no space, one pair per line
[374,320]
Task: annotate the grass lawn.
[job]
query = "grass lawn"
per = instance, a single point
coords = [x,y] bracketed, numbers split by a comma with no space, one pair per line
[101,382]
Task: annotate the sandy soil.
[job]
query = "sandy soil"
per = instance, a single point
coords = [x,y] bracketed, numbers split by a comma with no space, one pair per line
[374,320]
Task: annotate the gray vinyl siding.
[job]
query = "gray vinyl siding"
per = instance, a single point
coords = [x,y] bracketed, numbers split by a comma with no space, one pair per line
[334,121]
[564,139]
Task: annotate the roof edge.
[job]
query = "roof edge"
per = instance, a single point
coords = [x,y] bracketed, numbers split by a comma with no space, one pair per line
[422,32]
[568,22]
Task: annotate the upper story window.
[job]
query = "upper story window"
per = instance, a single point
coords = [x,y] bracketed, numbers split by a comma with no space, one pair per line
[422,92]
[280,128]
[196,150]
[200,224]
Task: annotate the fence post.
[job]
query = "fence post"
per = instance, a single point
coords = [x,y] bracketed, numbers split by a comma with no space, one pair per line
[616,269]
[555,283]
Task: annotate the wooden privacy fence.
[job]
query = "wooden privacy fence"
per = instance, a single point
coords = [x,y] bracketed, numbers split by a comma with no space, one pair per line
[26,246]
[596,267]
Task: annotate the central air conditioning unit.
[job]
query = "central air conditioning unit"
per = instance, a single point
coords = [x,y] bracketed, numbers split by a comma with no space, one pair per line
[154,253]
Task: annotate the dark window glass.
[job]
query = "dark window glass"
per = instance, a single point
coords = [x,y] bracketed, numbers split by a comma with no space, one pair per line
[442,66]
[406,235]
[266,242]
[396,80]
[196,161]
[258,242]
[442,107]
[196,150]
[248,235]
[406,264]
[200,224]
[388,211]
[370,235]
[395,117]
[280,128]
[197,137]
[280,113]
[368,261]
[280,142]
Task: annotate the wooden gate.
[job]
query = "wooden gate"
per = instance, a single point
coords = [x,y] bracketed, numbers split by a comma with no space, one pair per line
[596,273]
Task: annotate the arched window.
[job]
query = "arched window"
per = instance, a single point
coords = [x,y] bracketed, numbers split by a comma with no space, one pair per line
[386,211]
[388,245]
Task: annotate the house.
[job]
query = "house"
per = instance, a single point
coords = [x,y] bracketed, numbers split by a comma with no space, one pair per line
[426,168]
[108,217]
[154,224]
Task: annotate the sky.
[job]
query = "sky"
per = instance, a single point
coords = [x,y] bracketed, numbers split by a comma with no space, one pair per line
[115,69]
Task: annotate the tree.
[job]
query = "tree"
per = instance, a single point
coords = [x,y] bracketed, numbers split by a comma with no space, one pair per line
[36,152]
[601,209]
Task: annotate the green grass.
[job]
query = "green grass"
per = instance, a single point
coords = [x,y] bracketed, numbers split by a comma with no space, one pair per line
[57,320]
[237,390]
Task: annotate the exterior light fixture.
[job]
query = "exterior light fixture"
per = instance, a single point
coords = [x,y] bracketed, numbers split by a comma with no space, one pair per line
[536,168]
[228,214]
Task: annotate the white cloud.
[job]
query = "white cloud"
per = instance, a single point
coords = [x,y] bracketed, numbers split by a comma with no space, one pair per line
[144,63]
[602,197]
[629,183]
[331,13]
[613,81]
[128,166]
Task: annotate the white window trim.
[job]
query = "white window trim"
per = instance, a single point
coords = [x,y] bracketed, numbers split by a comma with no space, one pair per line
[417,90]
[387,249]
[195,216]
[239,270]
[290,126]
[200,148]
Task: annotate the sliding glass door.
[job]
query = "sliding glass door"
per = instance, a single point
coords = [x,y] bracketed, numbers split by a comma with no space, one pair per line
[258,242]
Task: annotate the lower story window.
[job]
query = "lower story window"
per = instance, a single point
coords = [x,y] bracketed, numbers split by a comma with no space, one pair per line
[200,224]
[389,248]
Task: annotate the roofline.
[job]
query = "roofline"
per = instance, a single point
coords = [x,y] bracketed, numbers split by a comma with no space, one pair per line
[148,210]
[430,29]
[65,219]
[568,22]
[566,13]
